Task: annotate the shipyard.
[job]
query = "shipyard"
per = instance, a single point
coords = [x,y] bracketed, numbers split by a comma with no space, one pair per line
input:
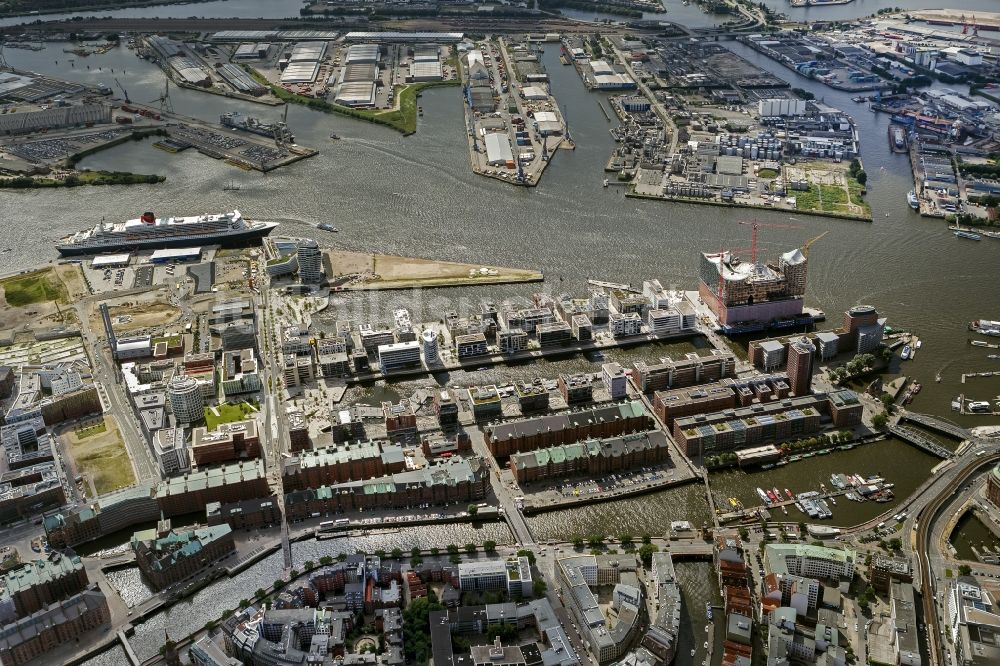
[564,346]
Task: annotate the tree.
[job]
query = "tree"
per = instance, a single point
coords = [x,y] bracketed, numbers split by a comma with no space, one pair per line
[647,539]
[452,549]
[416,637]
[964,570]
[895,544]
[415,551]
[473,509]
[744,533]
[490,546]
[500,630]
[626,540]
[309,565]
[646,554]
[470,548]
[595,541]
[524,552]
[326,560]
[862,178]
[880,420]
[578,542]
[538,587]
[435,551]
[397,553]
[259,593]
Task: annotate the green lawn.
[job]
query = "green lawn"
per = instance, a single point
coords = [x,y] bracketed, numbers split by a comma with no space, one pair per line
[767,173]
[171,340]
[84,433]
[824,198]
[38,287]
[228,413]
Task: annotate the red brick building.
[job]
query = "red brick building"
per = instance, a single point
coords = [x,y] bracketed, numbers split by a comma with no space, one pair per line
[342,462]
[592,457]
[505,439]
[228,442]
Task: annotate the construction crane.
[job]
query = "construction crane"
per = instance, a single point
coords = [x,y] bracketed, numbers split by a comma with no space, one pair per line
[755,226]
[808,244]
[124,92]
[164,100]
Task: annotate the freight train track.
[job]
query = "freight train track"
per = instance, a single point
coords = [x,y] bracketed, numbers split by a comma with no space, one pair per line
[924,533]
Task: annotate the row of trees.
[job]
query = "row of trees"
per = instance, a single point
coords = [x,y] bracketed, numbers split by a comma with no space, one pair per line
[857,173]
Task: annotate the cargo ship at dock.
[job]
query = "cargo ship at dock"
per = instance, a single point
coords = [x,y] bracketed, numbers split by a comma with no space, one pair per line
[277,131]
[897,138]
[152,233]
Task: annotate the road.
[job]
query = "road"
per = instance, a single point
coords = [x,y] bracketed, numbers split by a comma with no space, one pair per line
[926,509]
[106,374]
[504,495]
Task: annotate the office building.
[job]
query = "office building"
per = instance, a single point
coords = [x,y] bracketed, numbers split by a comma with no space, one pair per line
[470,346]
[692,369]
[809,561]
[615,380]
[429,339]
[310,260]
[446,408]
[576,389]
[485,401]
[884,569]
[581,572]
[186,399]
[170,450]
[625,325]
[399,355]
[973,622]
[512,575]
[227,443]
[339,463]
[800,366]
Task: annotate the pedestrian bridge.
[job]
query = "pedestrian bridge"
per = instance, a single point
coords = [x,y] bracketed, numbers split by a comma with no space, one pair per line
[919,440]
[938,424]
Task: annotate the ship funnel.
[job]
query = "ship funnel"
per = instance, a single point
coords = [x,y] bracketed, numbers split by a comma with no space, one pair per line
[148,218]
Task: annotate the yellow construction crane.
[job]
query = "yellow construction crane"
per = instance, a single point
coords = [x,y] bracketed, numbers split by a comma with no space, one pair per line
[805,248]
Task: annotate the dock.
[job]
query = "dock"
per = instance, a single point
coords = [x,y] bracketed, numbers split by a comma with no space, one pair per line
[970,375]
[129,652]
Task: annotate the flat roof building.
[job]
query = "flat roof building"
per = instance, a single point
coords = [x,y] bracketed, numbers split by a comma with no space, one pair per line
[498,151]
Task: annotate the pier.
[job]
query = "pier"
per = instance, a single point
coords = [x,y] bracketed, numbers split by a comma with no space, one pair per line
[129,652]
[920,441]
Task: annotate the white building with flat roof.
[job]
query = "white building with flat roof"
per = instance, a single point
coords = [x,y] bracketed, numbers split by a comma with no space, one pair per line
[398,355]
[498,151]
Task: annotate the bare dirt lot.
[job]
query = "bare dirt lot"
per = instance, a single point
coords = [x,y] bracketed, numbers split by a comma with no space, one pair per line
[98,454]
[141,312]
[380,271]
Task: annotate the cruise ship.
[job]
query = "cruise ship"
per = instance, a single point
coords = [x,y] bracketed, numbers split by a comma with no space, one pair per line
[150,233]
